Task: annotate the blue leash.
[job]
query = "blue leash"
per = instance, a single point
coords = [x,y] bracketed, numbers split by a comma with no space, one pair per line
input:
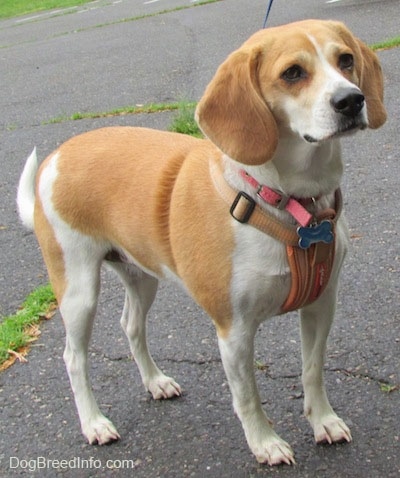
[267,14]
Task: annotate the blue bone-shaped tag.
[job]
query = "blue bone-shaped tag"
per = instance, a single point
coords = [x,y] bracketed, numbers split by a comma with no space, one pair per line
[321,232]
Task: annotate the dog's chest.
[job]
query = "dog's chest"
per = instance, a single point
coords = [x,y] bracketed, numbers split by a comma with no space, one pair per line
[260,273]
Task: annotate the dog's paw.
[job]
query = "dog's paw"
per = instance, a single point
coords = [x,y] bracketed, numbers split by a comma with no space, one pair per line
[274,452]
[163,387]
[100,431]
[331,430]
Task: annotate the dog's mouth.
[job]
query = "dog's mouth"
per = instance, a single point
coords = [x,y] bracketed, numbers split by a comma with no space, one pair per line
[344,129]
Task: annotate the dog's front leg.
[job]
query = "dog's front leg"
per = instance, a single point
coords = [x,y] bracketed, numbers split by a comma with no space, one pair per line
[237,352]
[316,321]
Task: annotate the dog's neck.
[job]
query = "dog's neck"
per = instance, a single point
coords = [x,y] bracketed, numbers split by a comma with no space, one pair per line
[298,168]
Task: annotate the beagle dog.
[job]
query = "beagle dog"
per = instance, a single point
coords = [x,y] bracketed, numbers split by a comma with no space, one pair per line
[224,216]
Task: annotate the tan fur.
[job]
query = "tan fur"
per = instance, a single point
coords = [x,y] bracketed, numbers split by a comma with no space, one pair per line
[143,159]
[201,252]
[166,178]
[371,83]
[52,253]
[233,113]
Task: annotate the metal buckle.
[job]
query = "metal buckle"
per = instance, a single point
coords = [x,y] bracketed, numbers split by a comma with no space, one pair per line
[240,210]
[283,201]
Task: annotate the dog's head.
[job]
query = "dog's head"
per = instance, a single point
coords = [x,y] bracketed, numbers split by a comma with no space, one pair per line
[312,78]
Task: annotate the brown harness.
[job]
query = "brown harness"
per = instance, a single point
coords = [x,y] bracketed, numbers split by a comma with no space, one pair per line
[311,266]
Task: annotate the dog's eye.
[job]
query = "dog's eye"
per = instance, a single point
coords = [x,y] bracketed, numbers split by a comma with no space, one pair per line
[293,74]
[346,61]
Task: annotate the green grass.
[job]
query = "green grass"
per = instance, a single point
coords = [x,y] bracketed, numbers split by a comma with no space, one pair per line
[13,328]
[184,122]
[14,8]
[388,387]
[386,44]
[127,110]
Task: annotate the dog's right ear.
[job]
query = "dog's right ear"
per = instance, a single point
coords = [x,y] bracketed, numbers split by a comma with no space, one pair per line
[233,114]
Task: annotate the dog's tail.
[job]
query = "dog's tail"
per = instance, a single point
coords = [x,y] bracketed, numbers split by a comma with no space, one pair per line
[26,191]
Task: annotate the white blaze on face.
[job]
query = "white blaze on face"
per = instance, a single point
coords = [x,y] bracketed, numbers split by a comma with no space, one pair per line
[313,117]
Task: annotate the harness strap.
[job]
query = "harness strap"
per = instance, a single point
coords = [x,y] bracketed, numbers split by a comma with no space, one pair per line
[310,268]
[310,272]
[245,210]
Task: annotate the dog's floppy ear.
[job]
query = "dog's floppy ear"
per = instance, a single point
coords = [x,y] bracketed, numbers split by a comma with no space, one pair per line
[371,84]
[370,75]
[233,114]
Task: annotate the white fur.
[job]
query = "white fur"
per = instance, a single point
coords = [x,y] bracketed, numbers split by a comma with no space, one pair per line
[26,191]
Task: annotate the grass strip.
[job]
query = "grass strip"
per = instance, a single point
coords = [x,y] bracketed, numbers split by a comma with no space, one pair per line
[183,121]
[386,44]
[15,8]
[128,110]
[18,331]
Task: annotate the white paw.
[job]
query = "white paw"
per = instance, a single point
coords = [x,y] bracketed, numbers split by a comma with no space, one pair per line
[100,431]
[274,452]
[330,430]
[163,387]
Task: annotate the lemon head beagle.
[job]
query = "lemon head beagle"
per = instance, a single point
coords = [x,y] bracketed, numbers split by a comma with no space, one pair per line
[248,220]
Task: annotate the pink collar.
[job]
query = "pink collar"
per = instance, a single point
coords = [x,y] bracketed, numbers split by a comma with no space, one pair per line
[293,206]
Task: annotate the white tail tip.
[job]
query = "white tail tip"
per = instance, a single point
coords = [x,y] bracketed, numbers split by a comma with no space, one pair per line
[26,191]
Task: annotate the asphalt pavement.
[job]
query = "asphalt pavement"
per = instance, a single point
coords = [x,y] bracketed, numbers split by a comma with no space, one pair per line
[107,55]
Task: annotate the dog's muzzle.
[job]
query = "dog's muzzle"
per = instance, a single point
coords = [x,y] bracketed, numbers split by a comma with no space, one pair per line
[348,104]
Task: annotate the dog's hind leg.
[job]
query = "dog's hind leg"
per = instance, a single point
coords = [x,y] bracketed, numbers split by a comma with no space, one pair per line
[73,261]
[78,308]
[141,289]
[316,320]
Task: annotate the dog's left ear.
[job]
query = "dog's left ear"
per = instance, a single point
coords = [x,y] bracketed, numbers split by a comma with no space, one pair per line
[371,84]
[370,75]
[233,114]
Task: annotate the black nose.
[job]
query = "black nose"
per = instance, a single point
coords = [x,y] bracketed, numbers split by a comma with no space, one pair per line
[348,101]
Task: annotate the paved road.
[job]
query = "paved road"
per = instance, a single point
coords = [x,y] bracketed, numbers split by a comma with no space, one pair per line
[88,59]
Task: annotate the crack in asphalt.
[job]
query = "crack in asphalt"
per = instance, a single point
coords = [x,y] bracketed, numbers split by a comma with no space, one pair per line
[129,358]
[287,376]
[365,377]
